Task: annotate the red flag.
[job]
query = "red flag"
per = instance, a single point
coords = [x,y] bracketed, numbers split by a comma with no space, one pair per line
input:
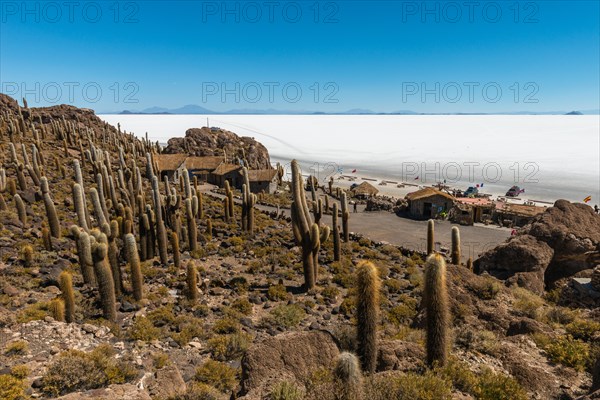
[353,171]
[416,178]
[587,199]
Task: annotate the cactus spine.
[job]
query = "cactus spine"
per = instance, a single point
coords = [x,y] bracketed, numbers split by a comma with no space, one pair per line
[137,280]
[305,231]
[192,281]
[248,202]
[104,277]
[209,229]
[430,236]
[176,253]
[367,314]
[161,233]
[191,226]
[348,376]
[65,282]
[345,217]
[50,209]
[79,204]
[20,209]
[84,252]
[455,252]
[435,297]
[336,234]
[112,232]
[46,238]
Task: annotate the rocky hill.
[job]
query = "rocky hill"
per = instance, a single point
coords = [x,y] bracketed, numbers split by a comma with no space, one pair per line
[217,142]
[116,286]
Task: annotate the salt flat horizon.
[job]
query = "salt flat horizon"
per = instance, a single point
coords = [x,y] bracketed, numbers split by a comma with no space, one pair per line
[550,156]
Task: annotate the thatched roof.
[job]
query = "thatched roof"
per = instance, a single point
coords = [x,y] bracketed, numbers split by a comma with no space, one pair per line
[207,163]
[169,162]
[519,209]
[365,188]
[427,192]
[261,175]
[225,168]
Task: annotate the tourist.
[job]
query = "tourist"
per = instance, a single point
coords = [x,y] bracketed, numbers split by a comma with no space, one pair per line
[355,204]
[596,208]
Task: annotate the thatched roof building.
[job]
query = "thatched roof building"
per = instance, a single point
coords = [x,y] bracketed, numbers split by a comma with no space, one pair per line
[365,190]
[428,203]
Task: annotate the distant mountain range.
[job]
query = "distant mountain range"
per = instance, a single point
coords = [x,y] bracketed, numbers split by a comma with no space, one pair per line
[198,110]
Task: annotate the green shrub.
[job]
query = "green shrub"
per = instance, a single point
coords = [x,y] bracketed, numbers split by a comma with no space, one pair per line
[560,315]
[568,351]
[528,303]
[242,305]
[330,292]
[143,329]
[75,370]
[226,325]
[404,312]
[583,329]
[229,347]
[286,391]
[499,387]
[409,386]
[486,288]
[216,374]
[20,371]
[11,388]
[277,292]
[287,316]
[16,348]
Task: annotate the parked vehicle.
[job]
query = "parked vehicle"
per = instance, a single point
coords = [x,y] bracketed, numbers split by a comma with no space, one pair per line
[472,191]
[514,191]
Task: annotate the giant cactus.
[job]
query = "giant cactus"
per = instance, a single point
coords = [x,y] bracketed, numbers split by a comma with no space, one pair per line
[248,202]
[137,279]
[367,314]
[161,232]
[455,251]
[345,217]
[65,282]
[336,234]
[50,209]
[430,236]
[435,297]
[191,226]
[84,253]
[305,231]
[104,277]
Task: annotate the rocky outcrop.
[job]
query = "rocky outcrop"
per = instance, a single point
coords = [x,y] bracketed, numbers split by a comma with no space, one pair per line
[218,142]
[290,356]
[559,243]
[375,204]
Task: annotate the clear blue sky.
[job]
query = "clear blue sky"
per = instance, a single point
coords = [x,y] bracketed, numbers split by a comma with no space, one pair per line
[377,55]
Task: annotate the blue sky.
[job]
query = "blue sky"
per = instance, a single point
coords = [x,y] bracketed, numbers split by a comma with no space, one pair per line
[304,55]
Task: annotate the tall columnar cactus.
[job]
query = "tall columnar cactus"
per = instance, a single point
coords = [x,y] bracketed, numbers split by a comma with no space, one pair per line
[305,231]
[104,277]
[20,209]
[367,314]
[80,208]
[176,252]
[226,216]
[430,236]
[187,189]
[50,209]
[137,279]
[21,177]
[192,281]
[27,254]
[336,234]
[435,297]
[331,185]
[161,232]
[112,233]
[100,183]
[209,229]
[318,211]
[348,376]
[57,309]
[455,251]
[47,238]
[231,204]
[200,205]
[248,202]
[470,264]
[98,213]
[345,217]
[191,226]
[84,253]
[65,282]
[313,193]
